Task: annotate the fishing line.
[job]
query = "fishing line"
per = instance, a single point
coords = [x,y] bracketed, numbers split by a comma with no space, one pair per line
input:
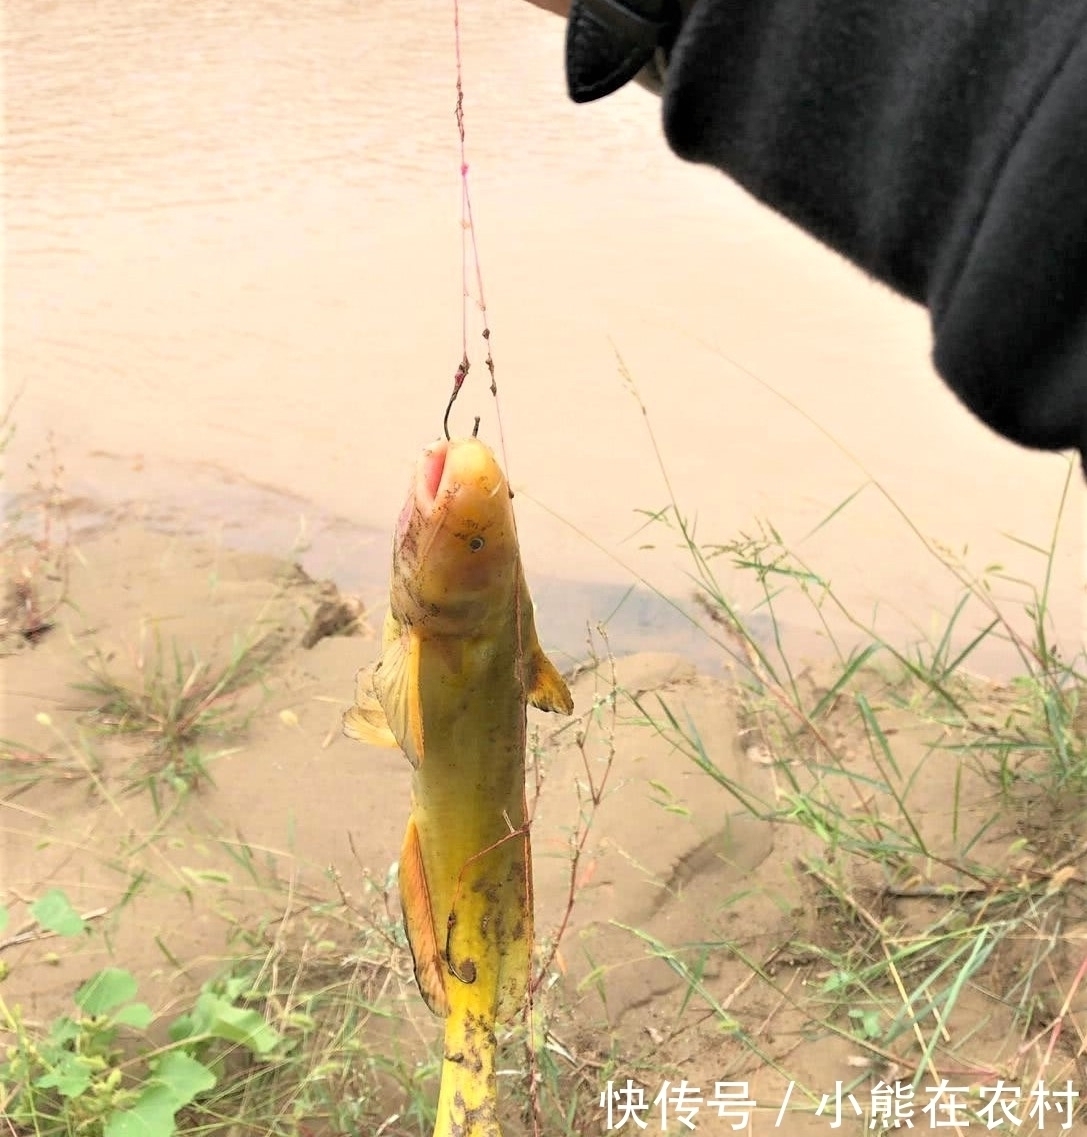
[468,230]
[468,235]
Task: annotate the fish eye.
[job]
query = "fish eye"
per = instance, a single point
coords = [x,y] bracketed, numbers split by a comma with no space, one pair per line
[476,543]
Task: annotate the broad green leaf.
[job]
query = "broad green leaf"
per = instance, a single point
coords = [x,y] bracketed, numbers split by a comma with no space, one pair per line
[138,1015]
[177,1080]
[152,1115]
[183,1027]
[55,914]
[245,1026]
[5,915]
[217,1018]
[111,987]
[183,1076]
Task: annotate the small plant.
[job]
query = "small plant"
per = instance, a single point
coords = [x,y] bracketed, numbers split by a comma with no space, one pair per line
[86,1072]
[34,550]
[77,1078]
[174,700]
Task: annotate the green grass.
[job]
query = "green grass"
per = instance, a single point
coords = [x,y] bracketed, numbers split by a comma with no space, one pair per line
[174,701]
[914,919]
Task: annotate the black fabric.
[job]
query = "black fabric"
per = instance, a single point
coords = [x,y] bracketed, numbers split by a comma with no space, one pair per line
[941,145]
[609,41]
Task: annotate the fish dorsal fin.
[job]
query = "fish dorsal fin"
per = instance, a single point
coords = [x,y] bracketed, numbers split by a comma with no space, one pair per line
[366,721]
[396,683]
[419,924]
[547,689]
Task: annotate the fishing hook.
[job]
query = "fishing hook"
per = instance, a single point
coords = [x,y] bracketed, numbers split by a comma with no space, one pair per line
[458,382]
[445,424]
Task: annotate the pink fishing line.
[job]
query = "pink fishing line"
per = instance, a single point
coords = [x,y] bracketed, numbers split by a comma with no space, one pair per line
[468,231]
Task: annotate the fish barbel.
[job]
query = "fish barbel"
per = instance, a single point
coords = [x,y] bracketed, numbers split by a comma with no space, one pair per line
[460,662]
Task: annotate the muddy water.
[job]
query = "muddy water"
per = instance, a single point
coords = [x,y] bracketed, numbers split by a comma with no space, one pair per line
[232,247]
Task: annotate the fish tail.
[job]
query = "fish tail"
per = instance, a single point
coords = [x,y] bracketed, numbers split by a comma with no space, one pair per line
[468,1099]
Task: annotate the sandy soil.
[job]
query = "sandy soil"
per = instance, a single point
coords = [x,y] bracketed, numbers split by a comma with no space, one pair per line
[670,857]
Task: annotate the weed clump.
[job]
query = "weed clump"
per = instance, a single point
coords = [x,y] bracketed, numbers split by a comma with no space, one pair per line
[174,701]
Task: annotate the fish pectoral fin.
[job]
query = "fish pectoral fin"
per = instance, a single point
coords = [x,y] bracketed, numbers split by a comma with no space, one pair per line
[396,682]
[366,721]
[547,689]
[366,725]
[419,924]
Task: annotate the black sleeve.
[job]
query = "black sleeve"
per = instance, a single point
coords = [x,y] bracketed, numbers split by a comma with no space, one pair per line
[941,145]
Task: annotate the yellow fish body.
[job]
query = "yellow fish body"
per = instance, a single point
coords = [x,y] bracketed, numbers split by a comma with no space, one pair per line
[460,663]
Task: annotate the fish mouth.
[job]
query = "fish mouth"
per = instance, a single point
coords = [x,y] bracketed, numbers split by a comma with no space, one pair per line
[422,498]
[462,468]
[431,470]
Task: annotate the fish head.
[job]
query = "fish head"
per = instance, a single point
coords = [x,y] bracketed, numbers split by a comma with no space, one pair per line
[455,555]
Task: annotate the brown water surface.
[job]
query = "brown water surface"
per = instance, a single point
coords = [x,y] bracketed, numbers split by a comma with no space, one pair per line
[233,246]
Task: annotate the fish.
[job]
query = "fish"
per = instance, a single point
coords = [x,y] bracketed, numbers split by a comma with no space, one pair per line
[460,663]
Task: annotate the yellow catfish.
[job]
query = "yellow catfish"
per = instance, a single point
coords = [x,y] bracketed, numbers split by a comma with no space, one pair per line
[460,662]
